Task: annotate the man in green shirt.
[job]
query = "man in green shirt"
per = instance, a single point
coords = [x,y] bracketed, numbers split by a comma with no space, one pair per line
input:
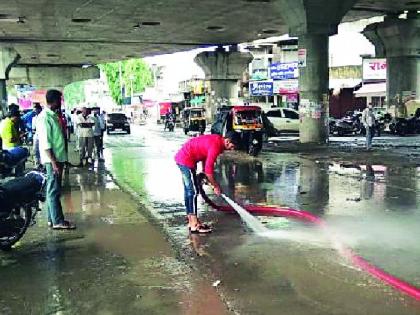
[53,155]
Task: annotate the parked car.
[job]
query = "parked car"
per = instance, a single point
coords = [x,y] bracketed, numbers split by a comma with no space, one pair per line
[117,122]
[284,119]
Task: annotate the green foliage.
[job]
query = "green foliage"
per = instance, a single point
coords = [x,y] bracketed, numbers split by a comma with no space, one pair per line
[74,94]
[135,73]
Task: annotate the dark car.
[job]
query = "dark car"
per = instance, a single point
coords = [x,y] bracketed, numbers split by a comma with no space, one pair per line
[117,122]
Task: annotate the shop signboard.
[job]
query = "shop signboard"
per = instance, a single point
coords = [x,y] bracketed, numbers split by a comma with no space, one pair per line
[302,57]
[261,88]
[24,93]
[259,74]
[285,87]
[374,69]
[284,70]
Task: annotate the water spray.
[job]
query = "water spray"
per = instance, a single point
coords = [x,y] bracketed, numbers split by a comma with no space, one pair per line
[305,216]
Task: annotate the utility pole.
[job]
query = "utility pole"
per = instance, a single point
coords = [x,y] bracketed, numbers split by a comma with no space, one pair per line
[121,82]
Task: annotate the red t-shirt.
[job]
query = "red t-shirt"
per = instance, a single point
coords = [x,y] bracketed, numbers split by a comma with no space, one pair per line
[204,149]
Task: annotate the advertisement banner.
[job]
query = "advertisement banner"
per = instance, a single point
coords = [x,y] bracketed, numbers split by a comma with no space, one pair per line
[302,57]
[261,88]
[24,93]
[286,87]
[374,69]
[284,71]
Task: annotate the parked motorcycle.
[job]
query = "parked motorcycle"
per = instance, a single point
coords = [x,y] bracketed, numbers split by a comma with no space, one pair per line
[19,204]
[348,125]
[13,163]
[404,126]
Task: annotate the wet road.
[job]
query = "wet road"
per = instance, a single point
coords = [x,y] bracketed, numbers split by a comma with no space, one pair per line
[372,208]
[116,262]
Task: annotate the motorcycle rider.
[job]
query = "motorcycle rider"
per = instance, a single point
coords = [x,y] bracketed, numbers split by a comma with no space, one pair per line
[15,154]
[169,117]
[368,120]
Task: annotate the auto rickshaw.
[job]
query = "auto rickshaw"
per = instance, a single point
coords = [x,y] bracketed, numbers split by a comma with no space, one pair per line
[247,121]
[193,119]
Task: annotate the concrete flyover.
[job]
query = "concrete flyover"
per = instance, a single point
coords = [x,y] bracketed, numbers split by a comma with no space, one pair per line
[73,33]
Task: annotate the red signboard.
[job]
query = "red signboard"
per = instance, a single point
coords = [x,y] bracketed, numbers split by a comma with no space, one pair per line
[164,107]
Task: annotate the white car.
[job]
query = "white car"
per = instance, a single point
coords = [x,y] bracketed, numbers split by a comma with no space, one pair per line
[284,119]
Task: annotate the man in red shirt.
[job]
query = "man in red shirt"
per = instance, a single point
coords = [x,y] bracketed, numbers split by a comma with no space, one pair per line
[203,149]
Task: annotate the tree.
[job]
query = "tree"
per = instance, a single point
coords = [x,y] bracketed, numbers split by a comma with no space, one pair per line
[74,94]
[134,73]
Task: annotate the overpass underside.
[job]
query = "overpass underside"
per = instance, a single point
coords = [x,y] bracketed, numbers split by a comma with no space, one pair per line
[38,37]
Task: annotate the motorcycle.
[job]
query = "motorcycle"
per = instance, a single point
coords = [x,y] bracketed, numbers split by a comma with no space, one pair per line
[170,124]
[19,204]
[13,163]
[404,126]
[347,125]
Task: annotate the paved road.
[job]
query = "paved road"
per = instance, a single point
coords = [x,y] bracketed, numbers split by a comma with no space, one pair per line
[116,262]
[373,208]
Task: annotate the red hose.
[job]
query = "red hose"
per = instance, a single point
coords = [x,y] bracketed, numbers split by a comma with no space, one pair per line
[346,252]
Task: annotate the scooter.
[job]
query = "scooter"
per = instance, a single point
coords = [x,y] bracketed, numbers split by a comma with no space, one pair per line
[19,204]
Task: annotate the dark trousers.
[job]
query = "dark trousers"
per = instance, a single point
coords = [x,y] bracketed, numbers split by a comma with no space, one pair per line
[98,145]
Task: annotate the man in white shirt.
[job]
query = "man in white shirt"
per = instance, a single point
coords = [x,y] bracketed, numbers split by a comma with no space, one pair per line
[85,125]
[97,133]
[368,120]
[75,119]
[102,121]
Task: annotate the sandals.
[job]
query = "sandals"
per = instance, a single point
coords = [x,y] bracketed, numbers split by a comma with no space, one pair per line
[201,229]
[66,225]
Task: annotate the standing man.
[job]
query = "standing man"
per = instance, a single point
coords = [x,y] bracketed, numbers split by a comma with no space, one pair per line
[203,149]
[75,119]
[102,122]
[37,109]
[97,133]
[53,156]
[368,120]
[85,128]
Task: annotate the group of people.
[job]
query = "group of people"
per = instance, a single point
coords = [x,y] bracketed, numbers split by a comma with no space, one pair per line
[90,127]
[50,138]
[49,129]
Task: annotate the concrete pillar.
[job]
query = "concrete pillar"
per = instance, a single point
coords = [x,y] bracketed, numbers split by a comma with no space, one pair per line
[223,69]
[313,89]
[3,98]
[400,39]
[313,21]
[371,34]
[8,57]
